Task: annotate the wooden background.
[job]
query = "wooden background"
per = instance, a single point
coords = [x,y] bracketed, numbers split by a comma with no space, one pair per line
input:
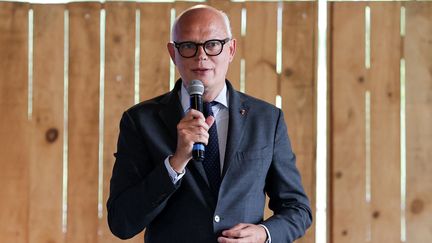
[32,149]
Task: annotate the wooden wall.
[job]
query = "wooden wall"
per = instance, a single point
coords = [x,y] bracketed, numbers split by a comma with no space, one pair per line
[367,175]
[365,147]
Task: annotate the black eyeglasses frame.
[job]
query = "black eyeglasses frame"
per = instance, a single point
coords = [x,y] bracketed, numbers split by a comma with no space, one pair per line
[223,42]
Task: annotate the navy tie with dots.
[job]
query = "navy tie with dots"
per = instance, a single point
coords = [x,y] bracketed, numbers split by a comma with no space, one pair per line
[211,161]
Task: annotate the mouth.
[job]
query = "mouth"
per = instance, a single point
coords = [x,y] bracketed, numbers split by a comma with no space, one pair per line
[201,71]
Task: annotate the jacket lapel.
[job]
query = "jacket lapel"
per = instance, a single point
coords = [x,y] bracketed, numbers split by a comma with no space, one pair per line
[238,111]
[172,111]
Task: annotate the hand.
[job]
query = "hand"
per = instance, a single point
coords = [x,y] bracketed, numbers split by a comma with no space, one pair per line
[242,233]
[192,128]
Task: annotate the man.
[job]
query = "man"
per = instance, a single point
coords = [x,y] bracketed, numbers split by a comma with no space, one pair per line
[157,185]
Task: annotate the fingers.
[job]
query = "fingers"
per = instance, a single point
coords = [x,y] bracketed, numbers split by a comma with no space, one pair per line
[210,120]
[243,233]
[192,119]
[194,114]
[239,226]
[238,231]
[191,135]
[192,128]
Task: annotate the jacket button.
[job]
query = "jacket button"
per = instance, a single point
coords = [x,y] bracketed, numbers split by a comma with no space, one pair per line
[217,218]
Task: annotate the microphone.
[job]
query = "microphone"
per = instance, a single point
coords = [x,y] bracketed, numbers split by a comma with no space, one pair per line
[196,90]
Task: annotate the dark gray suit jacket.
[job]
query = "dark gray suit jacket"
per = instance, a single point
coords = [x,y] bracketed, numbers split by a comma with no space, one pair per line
[258,160]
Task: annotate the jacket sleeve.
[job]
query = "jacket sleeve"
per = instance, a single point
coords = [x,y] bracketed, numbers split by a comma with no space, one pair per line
[139,187]
[291,207]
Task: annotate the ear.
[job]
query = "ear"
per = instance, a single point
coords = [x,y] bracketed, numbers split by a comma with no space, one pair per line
[171,51]
[232,49]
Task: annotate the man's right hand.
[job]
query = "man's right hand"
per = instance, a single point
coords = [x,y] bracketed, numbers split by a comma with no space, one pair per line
[192,128]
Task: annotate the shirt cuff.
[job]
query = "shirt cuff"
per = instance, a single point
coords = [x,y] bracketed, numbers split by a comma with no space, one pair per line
[268,234]
[175,177]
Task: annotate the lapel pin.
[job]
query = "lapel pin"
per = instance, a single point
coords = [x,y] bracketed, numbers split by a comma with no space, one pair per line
[243,112]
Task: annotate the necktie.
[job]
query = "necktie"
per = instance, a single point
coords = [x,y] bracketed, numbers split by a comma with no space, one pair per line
[211,161]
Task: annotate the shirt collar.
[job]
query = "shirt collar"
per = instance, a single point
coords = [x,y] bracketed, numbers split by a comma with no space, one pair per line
[222,98]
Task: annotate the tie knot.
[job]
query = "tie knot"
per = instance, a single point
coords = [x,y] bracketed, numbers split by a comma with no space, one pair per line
[208,108]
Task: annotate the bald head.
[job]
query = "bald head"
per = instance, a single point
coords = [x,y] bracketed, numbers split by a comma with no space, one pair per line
[200,14]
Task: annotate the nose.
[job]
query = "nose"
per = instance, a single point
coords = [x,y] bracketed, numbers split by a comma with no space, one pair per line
[201,54]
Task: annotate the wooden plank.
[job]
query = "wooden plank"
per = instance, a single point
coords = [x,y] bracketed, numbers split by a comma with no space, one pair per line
[45,205]
[83,122]
[154,60]
[14,135]
[418,55]
[347,116]
[119,91]
[384,84]
[298,88]
[260,42]
[233,10]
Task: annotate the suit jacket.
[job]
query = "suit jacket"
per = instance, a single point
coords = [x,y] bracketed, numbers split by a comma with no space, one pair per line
[258,160]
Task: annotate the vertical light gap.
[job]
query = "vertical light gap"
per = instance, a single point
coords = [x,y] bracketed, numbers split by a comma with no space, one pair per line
[368,118]
[242,75]
[172,66]
[321,121]
[101,109]
[279,38]
[403,148]
[402,22]
[65,119]
[279,101]
[243,21]
[368,145]
[367,37]
[30,65]
[242,60]
[137,54]
[368,161]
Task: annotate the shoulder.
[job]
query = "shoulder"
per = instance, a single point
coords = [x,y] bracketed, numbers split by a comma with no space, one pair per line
[258,107]
[256,102]
[148,107]
[250,102]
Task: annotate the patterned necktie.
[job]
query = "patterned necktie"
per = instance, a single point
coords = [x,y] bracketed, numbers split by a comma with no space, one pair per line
[211,161]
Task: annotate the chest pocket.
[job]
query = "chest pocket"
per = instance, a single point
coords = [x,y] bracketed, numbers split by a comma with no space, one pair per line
[263,153]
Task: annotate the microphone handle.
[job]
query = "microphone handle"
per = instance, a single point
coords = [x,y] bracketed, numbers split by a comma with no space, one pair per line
[198,149]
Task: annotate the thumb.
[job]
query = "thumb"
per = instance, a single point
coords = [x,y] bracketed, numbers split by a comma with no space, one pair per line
[210,120]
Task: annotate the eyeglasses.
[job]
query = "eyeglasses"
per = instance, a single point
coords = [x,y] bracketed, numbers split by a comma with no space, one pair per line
[189,49]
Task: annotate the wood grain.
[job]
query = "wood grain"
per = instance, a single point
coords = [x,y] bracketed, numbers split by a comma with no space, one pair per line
[384,85]
[298,88]
[418,56]
[155,59]
[348,82]
[84,71]
[14,125]
[119,92]
[46,164]
[260,51]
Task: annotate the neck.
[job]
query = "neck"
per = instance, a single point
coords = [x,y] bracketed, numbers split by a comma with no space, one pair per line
[210,93]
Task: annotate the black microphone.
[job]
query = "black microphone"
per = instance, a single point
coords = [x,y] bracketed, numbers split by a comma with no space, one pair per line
[196,90]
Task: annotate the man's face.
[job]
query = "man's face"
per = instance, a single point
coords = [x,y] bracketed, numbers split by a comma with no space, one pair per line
[201,26]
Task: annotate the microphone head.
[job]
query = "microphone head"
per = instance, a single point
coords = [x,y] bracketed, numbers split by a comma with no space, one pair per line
[196,87]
